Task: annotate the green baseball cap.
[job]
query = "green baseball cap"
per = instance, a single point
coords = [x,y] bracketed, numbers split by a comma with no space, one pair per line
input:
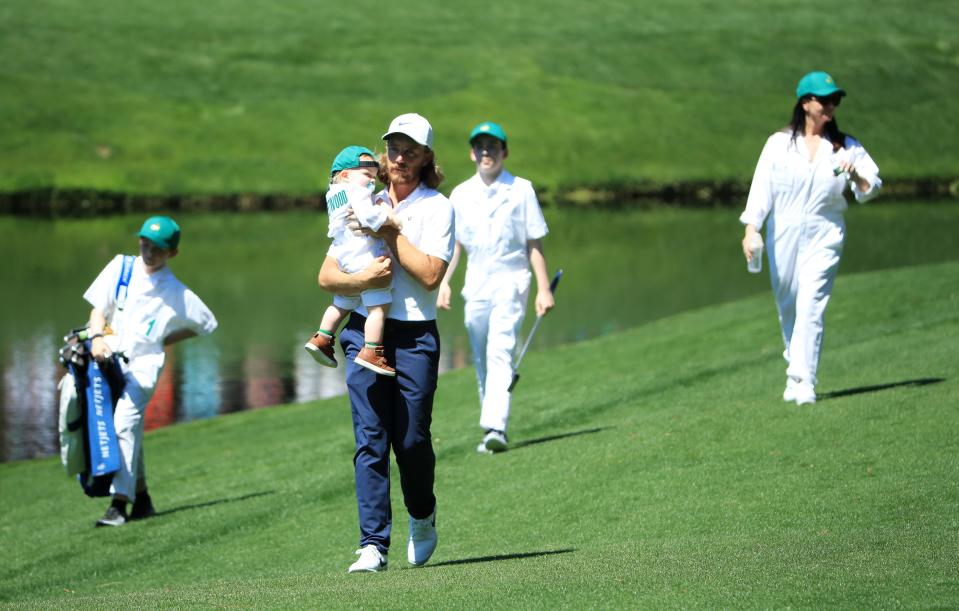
[349,158]
[817,84]
[488,128]
[162,231]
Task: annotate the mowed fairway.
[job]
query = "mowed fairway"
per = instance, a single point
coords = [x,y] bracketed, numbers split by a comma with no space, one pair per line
[658,467]
[220,96]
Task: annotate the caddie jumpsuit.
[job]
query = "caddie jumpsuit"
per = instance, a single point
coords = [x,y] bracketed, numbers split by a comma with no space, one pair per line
[494,224]
[802,201]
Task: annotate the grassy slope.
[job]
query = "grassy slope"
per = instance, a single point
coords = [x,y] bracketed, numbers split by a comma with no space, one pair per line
[221,95]
[653,468]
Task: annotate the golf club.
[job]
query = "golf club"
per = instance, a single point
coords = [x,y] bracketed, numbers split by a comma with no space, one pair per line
[532,332]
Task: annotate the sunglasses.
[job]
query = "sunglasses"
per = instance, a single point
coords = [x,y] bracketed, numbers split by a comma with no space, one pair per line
[834,99]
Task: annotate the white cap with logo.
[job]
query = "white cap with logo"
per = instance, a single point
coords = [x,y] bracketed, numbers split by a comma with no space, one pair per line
[413,125]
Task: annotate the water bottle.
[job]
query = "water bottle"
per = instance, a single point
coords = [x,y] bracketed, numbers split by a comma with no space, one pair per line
[755,264]
[838,157]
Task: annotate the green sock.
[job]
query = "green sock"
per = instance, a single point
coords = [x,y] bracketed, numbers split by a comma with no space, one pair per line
[325,332]
[374,345]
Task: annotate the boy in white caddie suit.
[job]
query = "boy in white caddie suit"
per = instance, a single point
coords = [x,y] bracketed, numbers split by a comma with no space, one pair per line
[500,225]
[154,311]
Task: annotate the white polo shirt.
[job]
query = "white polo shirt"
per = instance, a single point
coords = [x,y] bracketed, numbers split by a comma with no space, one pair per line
[157,305]
[494,224]
[427,218]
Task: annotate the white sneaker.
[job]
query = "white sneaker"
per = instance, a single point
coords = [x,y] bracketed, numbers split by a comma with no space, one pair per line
[423,539]
[789,394]
[493,441]
[805,394]
[371,560]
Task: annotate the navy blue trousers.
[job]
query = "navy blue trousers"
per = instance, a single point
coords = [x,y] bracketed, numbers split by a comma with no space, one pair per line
[392,413]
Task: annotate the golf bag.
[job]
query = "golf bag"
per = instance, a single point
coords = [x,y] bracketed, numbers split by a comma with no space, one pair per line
[89,392]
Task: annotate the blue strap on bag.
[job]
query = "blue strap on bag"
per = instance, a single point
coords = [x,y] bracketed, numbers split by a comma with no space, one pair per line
[123,284]
[100,387]
[102,437]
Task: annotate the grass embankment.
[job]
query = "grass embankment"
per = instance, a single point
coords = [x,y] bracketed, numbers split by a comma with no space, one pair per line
[653,468]
[224,96]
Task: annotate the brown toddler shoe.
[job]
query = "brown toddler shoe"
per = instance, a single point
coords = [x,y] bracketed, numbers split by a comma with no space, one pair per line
[320,348]
[373,358]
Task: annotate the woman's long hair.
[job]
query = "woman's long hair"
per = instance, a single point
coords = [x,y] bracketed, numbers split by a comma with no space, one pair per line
[431,174]
[797,125]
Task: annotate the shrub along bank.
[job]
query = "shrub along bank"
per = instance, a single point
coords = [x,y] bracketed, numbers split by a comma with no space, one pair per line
[53,203]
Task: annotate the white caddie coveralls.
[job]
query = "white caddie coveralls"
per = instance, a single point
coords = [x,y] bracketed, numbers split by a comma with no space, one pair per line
[354,252]
[156,306]
[802,201]
[493,225]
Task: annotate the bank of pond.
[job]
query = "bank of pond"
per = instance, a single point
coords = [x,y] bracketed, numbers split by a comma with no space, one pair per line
[54,203]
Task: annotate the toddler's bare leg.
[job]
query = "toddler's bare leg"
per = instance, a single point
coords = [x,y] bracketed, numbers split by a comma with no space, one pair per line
[331,320]
[375,322]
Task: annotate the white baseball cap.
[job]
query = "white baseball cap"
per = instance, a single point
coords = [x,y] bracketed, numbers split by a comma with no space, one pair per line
[413,125]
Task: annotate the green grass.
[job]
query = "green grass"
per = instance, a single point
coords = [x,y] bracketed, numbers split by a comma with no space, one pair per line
[653,468]
[229,96]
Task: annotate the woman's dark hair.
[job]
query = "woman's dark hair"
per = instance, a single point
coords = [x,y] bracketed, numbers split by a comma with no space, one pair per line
[797,125]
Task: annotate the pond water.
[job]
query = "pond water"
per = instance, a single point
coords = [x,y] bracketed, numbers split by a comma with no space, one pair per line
[257,272]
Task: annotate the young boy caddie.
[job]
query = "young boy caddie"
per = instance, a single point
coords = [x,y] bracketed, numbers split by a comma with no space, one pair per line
[139,307]
[500,225]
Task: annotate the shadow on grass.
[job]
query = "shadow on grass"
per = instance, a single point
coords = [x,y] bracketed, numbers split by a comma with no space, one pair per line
[234,499]
[532,442]
[503,557]
[864,389]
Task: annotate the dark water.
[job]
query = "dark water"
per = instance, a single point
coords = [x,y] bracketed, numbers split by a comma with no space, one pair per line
[257,272]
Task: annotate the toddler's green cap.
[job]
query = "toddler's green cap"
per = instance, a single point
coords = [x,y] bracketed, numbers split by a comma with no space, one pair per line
[162,231]
[817,84]
[488,128]
[349,158]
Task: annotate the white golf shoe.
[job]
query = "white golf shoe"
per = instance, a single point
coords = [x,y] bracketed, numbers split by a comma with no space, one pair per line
[371,560]
[789,395]
[493,441]
[805,394]
[423,539]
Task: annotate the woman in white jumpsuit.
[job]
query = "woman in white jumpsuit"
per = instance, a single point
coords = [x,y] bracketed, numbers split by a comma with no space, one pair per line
[798,190]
